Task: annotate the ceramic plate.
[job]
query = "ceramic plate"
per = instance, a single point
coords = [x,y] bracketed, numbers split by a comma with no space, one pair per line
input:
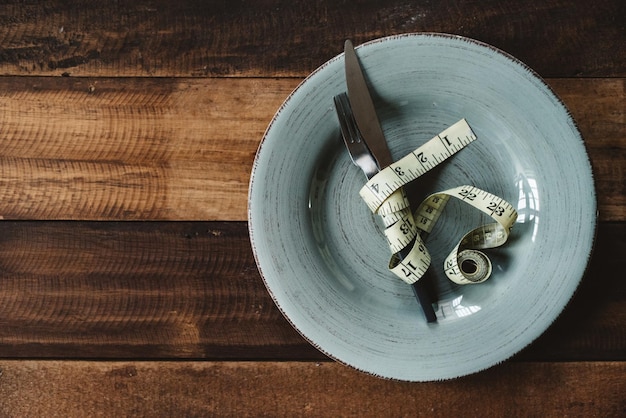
[322,254]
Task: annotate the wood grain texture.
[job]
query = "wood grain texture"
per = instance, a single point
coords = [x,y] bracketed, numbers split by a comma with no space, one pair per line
[152,110]
[288,389]
[182,149]
[143,290]
[291,38]
[131,148]
[192,290]
[599,109]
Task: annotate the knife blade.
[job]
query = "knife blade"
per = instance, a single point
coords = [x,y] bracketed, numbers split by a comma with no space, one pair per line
[363,108]
[371,130]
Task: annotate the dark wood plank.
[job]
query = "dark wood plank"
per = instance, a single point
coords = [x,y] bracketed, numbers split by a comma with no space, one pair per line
[192,290]
[144,290]
[599,109]
[289,389]
[291,38]
[590,323]
[182,149]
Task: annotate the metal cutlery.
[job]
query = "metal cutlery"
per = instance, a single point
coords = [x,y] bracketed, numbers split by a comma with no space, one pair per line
[362,157]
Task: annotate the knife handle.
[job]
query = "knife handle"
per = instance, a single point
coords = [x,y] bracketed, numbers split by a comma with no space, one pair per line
[422,294]
[421,290]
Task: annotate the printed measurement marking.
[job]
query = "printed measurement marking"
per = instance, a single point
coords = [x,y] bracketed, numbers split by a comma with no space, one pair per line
[384,195]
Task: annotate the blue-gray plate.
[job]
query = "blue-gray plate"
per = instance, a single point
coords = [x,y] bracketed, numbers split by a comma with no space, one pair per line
[321,252]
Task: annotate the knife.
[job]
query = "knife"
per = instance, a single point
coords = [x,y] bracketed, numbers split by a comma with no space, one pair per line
[372,133]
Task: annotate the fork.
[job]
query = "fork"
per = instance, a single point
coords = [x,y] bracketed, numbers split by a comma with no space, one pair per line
[362,157]
[357,148]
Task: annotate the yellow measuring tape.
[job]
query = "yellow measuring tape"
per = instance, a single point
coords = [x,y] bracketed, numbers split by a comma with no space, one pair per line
[384,195]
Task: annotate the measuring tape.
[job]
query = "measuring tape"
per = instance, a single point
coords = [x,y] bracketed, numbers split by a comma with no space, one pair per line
[384,195]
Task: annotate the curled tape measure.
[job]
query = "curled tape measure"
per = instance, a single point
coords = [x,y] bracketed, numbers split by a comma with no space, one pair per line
[384,195]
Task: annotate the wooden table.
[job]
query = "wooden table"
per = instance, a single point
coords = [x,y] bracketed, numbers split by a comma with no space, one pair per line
[127,281]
